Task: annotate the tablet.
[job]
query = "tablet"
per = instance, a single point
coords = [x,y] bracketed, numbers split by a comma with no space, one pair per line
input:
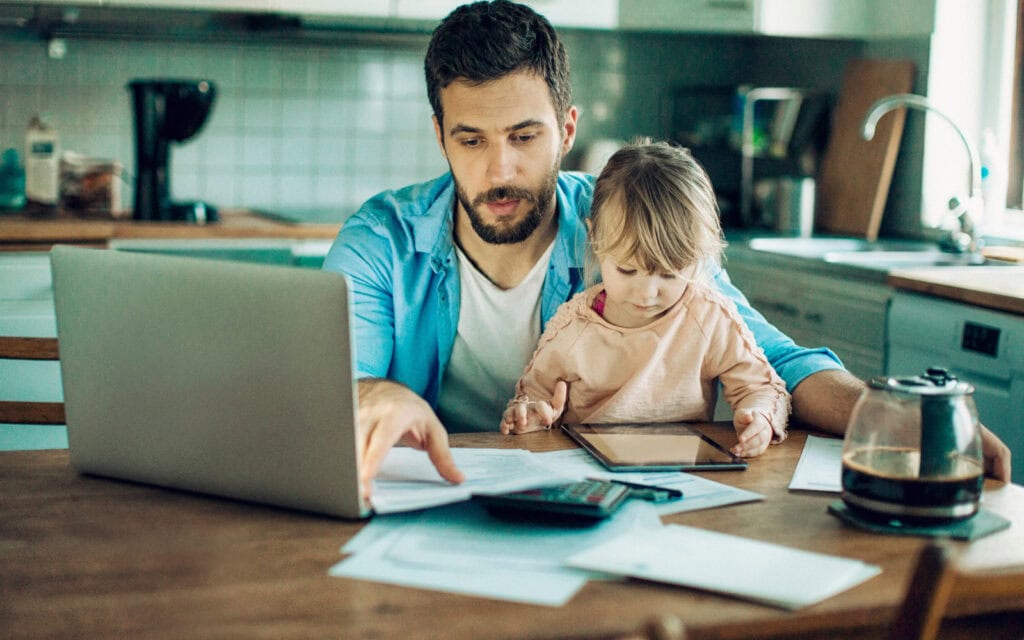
[662,446]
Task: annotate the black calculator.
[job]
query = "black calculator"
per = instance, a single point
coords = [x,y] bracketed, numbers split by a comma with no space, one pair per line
[583,502]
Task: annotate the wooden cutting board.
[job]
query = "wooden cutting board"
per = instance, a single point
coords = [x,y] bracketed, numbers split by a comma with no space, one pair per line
[853,182]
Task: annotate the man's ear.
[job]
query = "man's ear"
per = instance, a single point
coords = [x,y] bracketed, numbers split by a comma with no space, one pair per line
[569,130]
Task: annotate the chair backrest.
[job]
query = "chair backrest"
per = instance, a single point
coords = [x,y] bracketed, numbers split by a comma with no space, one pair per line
[27,411]
[938,580]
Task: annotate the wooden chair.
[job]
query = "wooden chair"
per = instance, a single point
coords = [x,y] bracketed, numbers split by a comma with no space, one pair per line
[938,582]
[30,412]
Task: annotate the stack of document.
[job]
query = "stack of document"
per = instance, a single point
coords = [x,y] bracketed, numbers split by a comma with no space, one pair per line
[727,564]
[457,547]
[820,466]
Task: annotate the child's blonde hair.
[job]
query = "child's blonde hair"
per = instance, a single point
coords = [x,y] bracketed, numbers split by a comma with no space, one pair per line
[669,219]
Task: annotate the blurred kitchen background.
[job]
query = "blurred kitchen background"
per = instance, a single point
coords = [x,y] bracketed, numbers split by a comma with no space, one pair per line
[315,113]
[316,119]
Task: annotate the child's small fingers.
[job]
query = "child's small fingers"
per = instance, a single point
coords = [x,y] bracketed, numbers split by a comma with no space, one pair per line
[753,444]
[521,414]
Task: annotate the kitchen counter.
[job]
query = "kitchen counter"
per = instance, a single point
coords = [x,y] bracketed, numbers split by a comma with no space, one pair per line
[739,250]
[1000,288]
[993,287]
[21,232]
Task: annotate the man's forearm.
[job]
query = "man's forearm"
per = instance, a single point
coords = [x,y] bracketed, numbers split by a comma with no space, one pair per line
[824,400]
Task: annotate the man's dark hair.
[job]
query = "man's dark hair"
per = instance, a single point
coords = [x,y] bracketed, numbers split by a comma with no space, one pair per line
[485,41]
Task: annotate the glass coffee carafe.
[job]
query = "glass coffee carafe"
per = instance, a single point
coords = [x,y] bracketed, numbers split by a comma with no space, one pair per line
[912,452]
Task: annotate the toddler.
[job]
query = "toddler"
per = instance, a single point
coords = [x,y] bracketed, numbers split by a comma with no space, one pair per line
[650,340]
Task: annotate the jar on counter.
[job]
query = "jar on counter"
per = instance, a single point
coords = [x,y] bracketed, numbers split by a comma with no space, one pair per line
[42,154]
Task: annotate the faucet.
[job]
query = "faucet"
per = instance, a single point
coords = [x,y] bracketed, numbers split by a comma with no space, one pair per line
[966,238]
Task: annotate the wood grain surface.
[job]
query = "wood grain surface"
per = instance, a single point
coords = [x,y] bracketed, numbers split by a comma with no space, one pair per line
[82,556]
[853,182]
[997,288]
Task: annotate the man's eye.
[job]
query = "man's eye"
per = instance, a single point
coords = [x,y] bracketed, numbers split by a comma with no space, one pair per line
[470,142]
[524,138]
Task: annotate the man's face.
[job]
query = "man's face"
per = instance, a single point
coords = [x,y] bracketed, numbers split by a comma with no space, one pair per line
[504,145]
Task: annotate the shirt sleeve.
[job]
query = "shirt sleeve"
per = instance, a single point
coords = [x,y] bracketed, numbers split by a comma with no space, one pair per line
[553,360]
[792,362]
[363,254]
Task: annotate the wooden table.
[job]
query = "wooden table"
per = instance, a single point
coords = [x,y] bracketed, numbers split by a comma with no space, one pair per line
[89,557]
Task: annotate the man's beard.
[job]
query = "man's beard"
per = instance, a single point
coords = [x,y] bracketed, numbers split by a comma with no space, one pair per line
[520,231]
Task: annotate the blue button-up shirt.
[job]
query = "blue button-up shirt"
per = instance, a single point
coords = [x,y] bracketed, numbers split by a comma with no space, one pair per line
[398,253]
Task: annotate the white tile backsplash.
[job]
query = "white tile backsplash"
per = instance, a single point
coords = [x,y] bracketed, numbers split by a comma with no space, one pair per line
[290,125]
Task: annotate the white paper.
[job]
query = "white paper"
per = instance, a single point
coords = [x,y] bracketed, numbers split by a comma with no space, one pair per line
[698,492]
[820,466]
[461,549]
[749,569]
[407,480]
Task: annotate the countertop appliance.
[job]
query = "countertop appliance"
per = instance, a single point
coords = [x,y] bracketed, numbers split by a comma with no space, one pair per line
[166,111]
[980,346]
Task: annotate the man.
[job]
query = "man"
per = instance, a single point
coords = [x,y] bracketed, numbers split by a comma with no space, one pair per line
[453,279]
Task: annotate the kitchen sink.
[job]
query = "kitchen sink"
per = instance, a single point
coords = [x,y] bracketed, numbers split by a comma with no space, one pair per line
[887,260]
[820,247]
[882,255]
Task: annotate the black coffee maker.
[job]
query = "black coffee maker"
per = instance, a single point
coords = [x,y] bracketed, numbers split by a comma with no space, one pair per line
[166,111]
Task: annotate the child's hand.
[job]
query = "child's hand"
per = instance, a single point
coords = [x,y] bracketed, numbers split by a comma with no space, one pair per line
[753,431]
[524,415]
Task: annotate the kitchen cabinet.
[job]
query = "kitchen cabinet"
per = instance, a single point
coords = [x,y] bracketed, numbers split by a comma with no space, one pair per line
[205,5]
[353,8]
[595,14]
[846,315]
[794,18]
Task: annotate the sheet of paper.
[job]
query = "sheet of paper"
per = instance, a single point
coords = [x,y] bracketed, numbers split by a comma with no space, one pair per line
[698,492]
[408,481]
[820,466]
[459,548]
[726,564]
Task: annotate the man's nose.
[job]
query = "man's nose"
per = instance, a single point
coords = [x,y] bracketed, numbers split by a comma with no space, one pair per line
[501,163]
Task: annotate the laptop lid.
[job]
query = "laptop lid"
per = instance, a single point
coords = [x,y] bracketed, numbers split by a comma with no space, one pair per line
[223,378]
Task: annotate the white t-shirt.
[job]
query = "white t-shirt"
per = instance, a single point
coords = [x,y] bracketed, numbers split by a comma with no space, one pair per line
[497,335]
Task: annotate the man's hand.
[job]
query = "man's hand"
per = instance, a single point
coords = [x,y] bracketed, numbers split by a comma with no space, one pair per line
[996,454]
[390,414]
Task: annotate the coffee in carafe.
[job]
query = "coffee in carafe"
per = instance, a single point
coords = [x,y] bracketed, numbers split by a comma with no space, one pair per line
[912,451]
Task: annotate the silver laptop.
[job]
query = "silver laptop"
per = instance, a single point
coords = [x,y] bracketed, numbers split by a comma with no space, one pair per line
[217,377]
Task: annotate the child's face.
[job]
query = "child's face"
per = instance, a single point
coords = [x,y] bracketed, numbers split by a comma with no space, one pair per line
[634,296]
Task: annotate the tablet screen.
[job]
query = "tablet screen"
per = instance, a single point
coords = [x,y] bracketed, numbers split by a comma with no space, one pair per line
[652,446]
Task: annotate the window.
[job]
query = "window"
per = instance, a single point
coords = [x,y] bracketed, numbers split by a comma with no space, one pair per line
[975,77]
[1015,170]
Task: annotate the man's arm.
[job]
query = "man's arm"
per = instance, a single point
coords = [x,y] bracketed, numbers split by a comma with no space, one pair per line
[824,400]
[823,391]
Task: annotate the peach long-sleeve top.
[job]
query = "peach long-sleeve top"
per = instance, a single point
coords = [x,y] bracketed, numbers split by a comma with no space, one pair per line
[662,372]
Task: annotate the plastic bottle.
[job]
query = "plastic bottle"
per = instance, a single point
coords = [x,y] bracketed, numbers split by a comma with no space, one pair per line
[993,179]
[42,153]
[12,181]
